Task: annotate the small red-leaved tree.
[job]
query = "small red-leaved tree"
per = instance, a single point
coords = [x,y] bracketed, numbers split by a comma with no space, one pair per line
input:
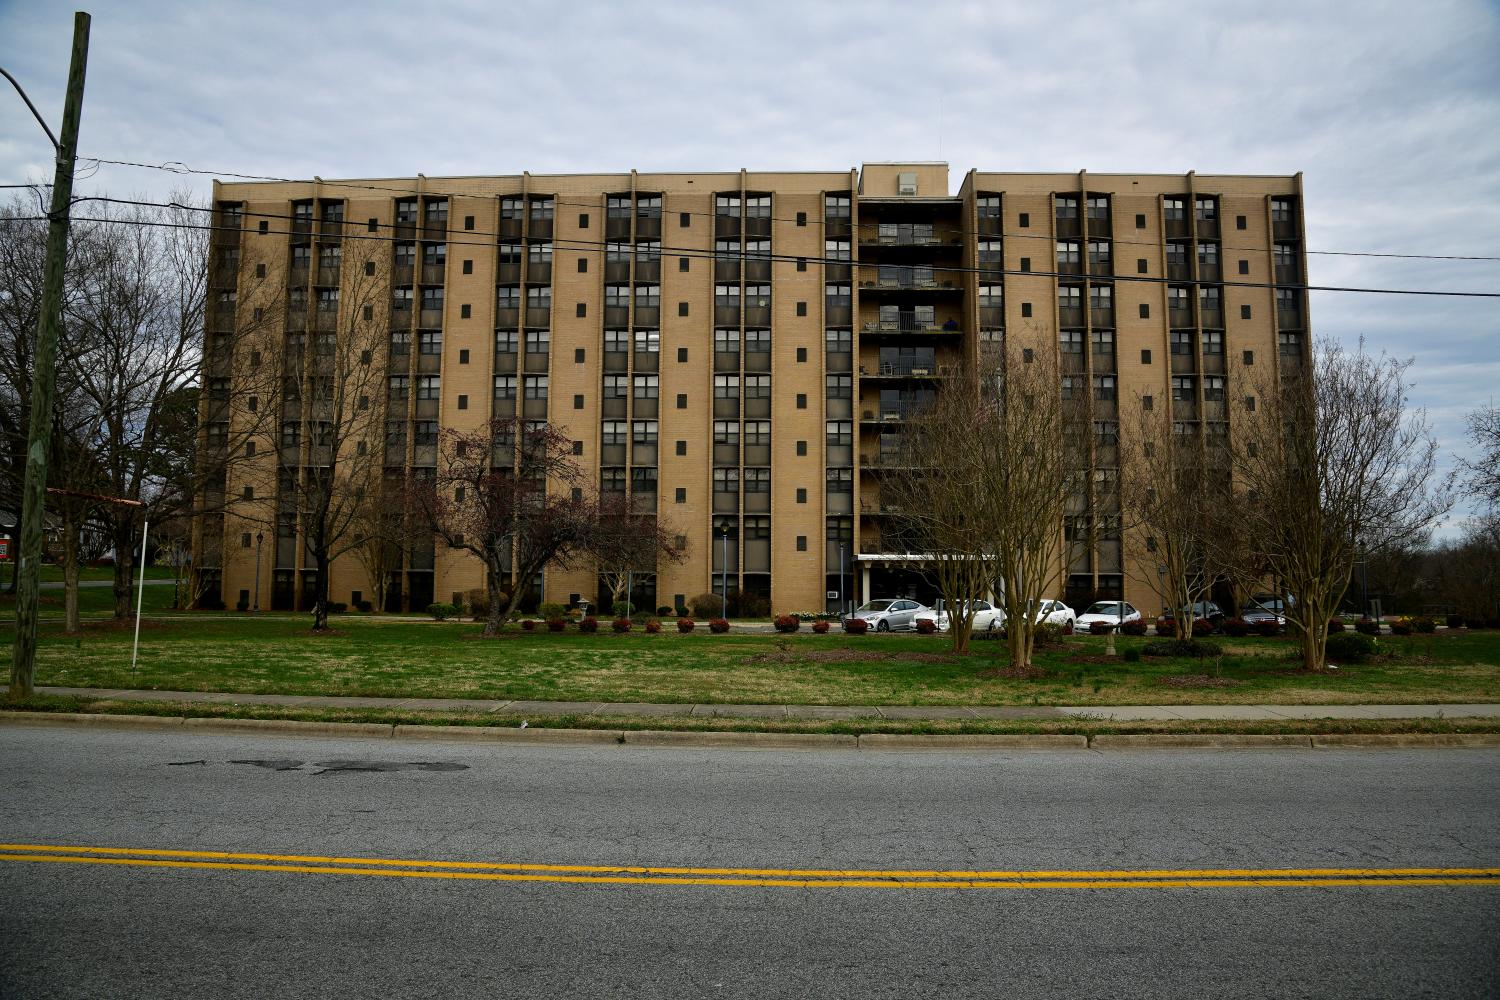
[627,542]
[505,492]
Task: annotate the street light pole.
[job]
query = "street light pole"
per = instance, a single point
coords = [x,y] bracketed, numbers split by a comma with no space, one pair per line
[44,375]
[259,537]
[724,578]
[843,608]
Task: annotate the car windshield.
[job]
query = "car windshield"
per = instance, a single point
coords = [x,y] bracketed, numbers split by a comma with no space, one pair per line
[1104,608]
[875,605]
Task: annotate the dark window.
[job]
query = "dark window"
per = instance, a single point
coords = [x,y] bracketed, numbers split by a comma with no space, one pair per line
[801,218]
[1244,267]
[1250,403]
[801,447]
[684,219]
[1025,220]
[249,449]
[245,540]
[682,400]
[260,270]
[801,354]
[577,493]
[583,265]
[583,309]
[1249,357]
[1145,356]
[578,355]
[1145,310]
[249,493]
[578,447]
[577,402]
[801,495]
[583,220]
[681,354]
[682,447]
[1148,403]
[1140,221]
[1141,266]
[682,263]
[1025,264]
[463,311]
[1239,222]
[1244,312]
[468,222]
[801,308]
[265,227]
[1027,355]
[468,267]
[682,308]
[463,356]
[1025,308]
[374,225]
[801,400]
[801,543]
[365,357]
[463,402]
[369,312]
[681,495]
[802,263]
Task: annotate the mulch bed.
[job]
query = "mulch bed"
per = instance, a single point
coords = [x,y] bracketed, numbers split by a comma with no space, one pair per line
[1015,673]
[1197,681]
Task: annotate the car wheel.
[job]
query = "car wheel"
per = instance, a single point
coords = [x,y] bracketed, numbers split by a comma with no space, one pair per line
[884,625]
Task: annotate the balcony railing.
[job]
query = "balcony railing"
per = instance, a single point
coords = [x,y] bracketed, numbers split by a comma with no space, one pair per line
[905,369]
[910,284]
[910,325]
[894,412]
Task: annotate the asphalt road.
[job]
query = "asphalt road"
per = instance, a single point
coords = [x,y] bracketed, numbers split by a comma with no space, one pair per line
[85,929]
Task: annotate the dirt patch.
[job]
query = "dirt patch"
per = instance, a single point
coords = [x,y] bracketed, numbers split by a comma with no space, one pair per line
[1093,658]
[1198,681]
[1015,673]
[822,656]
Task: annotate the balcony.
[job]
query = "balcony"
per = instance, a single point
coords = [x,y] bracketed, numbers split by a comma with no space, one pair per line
[726,269]
[1179,271]
[1208,229]
[616,316]
[754,316]
[726,407]
[297,275]
[538,273]
[909,283]
[838,272]
[1289,315]
[1287,274]
[431,319]
[1102,316]
[1101,268]
[539,229]
[1069,315]
[331,230]
[757,269]
[910,325]
[757,361]
[612,455]
[613,407]
[648,270]
[435,230]
[757,406]
[429,364]
[838,408]
[757,502]
[643,454]
[647,361]
[1209,271]
[647,406]
[906,368]
[840,314]
[838,501]
[900,234]
[726,503]
[506,317]
[887,413]
[325,320]
[1068,227]
[1285,230]
[726,454]
[648,227]
[405,229]
[433,274]
[726,226]
[538,317]
[534,409]
[302,226]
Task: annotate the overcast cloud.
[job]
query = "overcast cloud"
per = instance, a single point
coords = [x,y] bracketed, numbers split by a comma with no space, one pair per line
[1392,111]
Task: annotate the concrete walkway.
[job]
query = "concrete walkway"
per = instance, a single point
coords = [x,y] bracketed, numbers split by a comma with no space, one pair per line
[1119,713]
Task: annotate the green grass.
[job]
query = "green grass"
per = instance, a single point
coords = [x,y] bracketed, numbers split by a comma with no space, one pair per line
[52,573]
[376,656]
[92,602]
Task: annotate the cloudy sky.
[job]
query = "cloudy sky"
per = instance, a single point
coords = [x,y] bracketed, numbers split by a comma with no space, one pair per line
[1391,109]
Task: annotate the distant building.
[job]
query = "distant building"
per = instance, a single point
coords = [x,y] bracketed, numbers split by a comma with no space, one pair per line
[736,350]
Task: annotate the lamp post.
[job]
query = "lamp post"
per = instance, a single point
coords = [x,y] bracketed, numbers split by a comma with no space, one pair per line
[259,537]
[843,609]
[724,577]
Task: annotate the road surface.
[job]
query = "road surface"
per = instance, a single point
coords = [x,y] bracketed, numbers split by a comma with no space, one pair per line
[478,870]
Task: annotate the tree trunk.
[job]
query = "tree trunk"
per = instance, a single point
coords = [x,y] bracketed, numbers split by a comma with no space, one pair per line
[499,607]
[320,593]
[70,573]
[1015,641]
[961,629]
[1314,639]
[124,541]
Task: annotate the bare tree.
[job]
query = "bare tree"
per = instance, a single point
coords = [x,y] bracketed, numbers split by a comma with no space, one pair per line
[506,494]
[1482,473]
[626,544]
[1330,464]
[1176,492]
[331,399]
[380,526]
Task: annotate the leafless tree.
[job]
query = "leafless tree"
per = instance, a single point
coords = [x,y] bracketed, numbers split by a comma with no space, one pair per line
[1481,473]
[626,543]
[380,526]
[1330,464]
[505,493]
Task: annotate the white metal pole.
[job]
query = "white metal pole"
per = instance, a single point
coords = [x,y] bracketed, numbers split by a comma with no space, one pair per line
[140,594]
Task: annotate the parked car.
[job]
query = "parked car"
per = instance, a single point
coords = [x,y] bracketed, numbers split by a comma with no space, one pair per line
[1109,612]
[1255,613]
[987,617]
[1202,610]
[886,615]
[1056,613]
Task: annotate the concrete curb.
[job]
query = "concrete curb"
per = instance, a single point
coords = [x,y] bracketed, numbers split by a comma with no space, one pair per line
[505,734]
[756,741]
[11,718]
[1336,740]
[1200,741]
[291,727]
[954,741]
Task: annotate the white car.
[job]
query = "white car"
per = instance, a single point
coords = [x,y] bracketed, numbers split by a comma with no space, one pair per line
[886,615]
[987,617]
[1056,613]
[1109,612]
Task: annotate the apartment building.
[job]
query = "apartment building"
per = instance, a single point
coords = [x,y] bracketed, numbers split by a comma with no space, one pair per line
[736,352]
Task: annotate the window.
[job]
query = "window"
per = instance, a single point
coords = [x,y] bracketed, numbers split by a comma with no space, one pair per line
[839,386]
[1098,207]
[425,432]
[1145,310]
[836,206]
[1175,209]
[644,431]
[801,495]
[1182,342]
[612,432]
[1208,255]
[1281,210]
[291,433]
[535,387]
[541,209]
[537,297]
[757,341]
[430,342]
[1209,298]
[1206,209]
[1213,388]
[757,387]
[648,206]
[539,253]
[1106,433]
[506,297]
[1183,390]
[328,300]
[400,386]
[838,296]
[991,296]
[505,253]
[1069,297]
[1177,298]
[726,296]
[1067,251]
[726,387]
[757,296]
[1071,342]
[538,341]
[838,250]
[505,387]
[647,341]
[726,341]
[1290,344]
[1067,206]
[1099,253]
[1104,387]
[505,342]
[840,432]
[840,480]
[726,480]
[1071,384]
[400,343]
[1213,342]
[437,211]
[432,299]
[1101,297]
[647,387]
[1104,343]
[988,206]
[727,205]
[838,341]
[612,480]
[726,432]
[758,480]
[429,386]
[758,207]
[680,496]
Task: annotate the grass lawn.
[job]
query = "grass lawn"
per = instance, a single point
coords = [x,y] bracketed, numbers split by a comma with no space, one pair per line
[92,601]
[375,656]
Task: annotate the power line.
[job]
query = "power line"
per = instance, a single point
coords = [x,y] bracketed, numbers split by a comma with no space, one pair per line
[600,247]
[177,167]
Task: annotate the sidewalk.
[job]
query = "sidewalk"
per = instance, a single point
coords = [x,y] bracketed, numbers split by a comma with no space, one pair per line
[1117,713]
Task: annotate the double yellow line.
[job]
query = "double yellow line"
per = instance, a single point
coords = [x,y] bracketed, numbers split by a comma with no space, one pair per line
[807,878]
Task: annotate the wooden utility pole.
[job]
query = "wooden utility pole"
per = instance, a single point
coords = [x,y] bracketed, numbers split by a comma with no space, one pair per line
[44,377]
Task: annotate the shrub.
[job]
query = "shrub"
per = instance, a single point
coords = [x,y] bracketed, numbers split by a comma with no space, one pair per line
[666,612]
[820,626]
[1268,628]
[210,605]
[364,606]
[1400,627]
[243,604]
[1350,647]
[1235,627]
[442,612]
[1132,655]
[1100,628]
[1202,626]
[748,605]
[1137,627]
[856,626]
[705,605]
[1048,634]
[718,626]
[550,610]
[1165,627]
[1367,626]
[337,608]
[620,624]
[1181,647]
[556,624]
[926,626]
[685,625]
[479,603]
[787,623]
[653,627]
[1424,624]
[588,625]
[1455,621]
[1335,626]
[528,624]
[620,609]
